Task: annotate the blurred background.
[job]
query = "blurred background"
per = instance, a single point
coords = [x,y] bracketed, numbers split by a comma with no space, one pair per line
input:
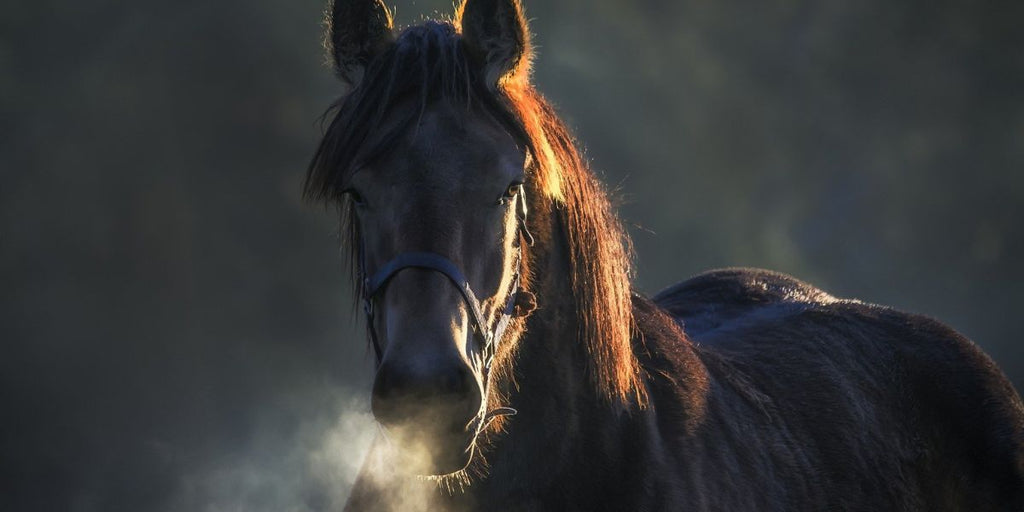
[175,323]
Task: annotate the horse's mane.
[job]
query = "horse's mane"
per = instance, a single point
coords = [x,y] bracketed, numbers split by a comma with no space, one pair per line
[428,63]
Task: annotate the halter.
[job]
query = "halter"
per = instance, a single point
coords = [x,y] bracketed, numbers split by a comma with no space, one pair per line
[375,284]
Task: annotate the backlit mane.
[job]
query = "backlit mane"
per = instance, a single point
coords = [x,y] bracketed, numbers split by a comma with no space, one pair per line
[427,63]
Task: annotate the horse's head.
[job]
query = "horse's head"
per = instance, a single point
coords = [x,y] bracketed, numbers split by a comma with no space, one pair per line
[429,167]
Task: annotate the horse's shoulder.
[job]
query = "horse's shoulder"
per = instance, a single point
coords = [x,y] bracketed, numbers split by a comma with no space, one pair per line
[715,298]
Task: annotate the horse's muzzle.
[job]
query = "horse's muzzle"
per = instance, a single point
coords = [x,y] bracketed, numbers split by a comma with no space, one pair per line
[428,413]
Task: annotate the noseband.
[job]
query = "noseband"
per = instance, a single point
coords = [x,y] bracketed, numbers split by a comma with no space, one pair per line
[374,285]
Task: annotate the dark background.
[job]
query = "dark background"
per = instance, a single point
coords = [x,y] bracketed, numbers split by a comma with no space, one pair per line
[176,330]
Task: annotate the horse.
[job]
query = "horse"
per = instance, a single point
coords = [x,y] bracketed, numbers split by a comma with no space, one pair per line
[518,370]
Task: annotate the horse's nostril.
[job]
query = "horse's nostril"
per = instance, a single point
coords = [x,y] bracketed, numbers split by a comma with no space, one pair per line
[404,392]
[459,382]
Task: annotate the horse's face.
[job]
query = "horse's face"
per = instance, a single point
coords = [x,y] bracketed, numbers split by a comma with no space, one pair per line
[448,186]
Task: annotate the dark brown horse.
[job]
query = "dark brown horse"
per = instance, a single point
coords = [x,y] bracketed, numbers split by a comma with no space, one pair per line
[518,371]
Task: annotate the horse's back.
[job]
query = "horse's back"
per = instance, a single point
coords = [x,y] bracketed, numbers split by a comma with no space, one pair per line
[720,298]
[903,395]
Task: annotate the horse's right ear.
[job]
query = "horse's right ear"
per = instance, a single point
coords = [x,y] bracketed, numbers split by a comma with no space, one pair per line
[496,33]
[359,30]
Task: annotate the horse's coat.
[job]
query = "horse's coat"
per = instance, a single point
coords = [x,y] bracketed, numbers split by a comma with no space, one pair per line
[735,390]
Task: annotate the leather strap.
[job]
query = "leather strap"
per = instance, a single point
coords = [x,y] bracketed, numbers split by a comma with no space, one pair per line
[375,284]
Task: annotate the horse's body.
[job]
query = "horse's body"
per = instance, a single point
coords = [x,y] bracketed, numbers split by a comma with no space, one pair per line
[736,390]
[847,405]
[779,397]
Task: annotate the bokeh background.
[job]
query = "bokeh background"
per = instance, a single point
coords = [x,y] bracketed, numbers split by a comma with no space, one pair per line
[175,323]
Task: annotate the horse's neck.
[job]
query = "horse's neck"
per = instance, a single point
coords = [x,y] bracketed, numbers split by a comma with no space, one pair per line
[565,425]
[558,407]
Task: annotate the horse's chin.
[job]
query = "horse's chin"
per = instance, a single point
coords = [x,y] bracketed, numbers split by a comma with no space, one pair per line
[452,461]
[421,452]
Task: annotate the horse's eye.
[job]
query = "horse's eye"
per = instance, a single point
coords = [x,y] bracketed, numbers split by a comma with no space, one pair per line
[512,190]
[354,196]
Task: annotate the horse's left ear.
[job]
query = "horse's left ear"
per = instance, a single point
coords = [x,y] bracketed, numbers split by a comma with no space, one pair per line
[359,30]
[496,34]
